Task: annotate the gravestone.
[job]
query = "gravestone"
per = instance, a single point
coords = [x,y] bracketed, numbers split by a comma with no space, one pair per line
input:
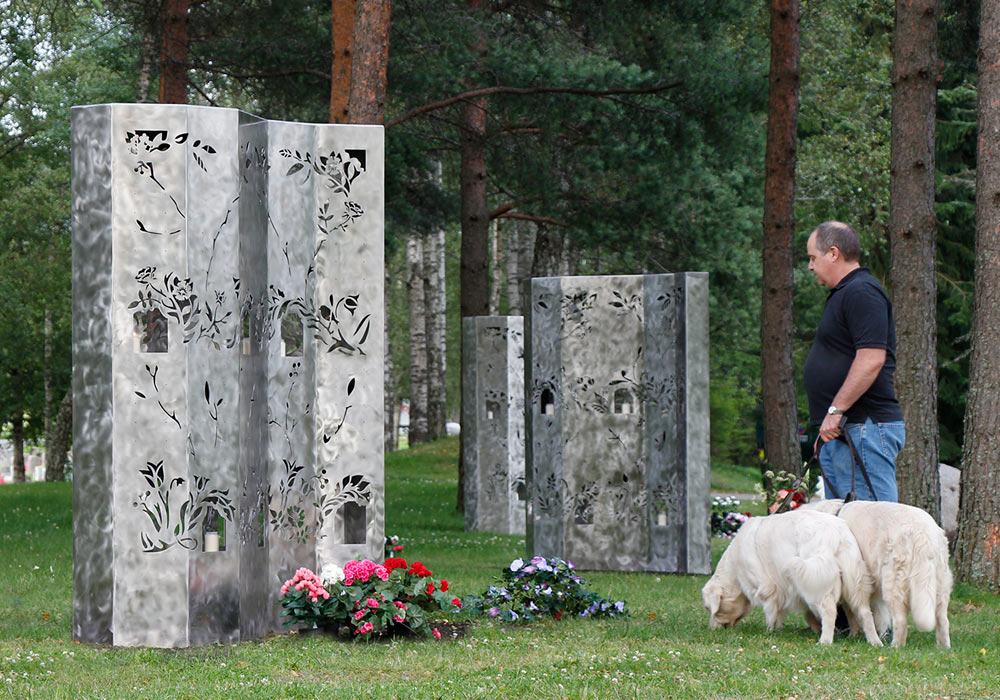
[493,420]
[618,421]
[227,275]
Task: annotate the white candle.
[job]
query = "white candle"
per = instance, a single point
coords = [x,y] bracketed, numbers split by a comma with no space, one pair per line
[550,409]
[661,519]
[211,541]
[626,408]
[489,415]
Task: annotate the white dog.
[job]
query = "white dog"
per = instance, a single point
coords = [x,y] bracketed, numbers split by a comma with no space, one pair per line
[789,562]
[907,553]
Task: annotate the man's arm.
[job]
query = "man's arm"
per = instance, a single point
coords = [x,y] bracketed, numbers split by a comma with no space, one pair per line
[864,370]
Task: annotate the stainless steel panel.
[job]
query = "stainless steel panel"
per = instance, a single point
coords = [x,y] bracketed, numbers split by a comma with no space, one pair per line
[190,227]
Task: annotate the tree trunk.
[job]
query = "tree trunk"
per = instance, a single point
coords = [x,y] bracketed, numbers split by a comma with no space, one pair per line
[17,438]
[434,302]
[418,340]
[145,67]
[391,436]
[777,367]
[912,232]
[57,442]
[174,52]
[520,255]
[371,59]
[496,268]
[547,253]
[977,546]
[342,52]
[474,291]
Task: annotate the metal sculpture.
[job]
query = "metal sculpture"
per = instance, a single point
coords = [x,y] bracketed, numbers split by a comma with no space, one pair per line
[617,421]
[493,422]
[227,273]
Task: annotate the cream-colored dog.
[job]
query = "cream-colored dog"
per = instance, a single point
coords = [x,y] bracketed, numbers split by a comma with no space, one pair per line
[790,562]
[907,554]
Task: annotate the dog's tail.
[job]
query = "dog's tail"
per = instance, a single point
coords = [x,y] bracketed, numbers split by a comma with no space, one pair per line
[931,579]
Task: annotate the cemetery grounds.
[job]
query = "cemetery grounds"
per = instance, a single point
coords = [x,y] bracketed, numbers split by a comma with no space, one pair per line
[664,650]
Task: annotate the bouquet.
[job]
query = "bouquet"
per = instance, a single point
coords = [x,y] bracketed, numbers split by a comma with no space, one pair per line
[368,598]
[540,588]
[725,520]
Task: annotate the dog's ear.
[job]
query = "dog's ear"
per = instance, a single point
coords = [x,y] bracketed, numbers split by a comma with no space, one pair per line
[711,596]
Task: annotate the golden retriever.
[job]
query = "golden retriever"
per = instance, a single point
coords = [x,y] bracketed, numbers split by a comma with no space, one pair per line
[907,554]
[790,562]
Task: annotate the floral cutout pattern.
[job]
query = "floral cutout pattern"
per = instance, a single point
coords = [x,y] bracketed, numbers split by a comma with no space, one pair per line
[173,519]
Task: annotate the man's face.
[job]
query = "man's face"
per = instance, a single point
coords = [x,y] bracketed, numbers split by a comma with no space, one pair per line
[820,262]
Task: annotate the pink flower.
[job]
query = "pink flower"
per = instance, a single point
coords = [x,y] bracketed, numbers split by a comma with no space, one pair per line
[382,573]
[399,604]
[436,633]
[359,614]
[371,603]
[397,618]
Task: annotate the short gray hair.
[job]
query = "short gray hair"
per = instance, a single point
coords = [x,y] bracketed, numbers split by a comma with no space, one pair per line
[845,238]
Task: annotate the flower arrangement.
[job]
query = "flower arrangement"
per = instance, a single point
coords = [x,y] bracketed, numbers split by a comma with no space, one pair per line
[392,546]
[368,598]
[540,588]
[797,499]
[725,519]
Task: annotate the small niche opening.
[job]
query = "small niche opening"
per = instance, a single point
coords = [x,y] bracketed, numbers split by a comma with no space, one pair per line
[355,518]
[492,410]
[213,533]
[624,401]
[548,402]
[521,490]
[245,332]
[261,526]
[291,335]
[151,331]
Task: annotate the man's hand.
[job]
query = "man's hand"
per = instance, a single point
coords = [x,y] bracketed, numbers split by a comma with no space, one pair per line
[829,429]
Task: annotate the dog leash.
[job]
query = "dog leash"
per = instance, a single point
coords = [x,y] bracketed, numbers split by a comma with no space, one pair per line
[785,503]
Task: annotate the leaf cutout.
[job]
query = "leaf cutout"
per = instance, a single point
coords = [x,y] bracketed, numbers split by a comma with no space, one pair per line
[294,169]
[350,386]
[140,394]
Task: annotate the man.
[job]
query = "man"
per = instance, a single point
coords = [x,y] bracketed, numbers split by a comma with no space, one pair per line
[849,368]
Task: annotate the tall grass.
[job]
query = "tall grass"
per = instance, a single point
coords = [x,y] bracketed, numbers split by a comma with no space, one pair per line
[664,651]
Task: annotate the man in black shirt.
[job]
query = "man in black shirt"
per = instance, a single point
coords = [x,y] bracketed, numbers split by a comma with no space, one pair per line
[850,365]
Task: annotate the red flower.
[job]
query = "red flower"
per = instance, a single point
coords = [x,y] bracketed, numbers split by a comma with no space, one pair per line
[444,585]
[456,602]
[430,588]
[398,548]
[419,570]
[395,563]
[436,633]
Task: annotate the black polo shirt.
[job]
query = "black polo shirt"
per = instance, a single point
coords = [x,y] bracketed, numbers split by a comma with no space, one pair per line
[857,314]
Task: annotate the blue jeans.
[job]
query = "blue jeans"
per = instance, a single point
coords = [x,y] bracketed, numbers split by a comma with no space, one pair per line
[878,444]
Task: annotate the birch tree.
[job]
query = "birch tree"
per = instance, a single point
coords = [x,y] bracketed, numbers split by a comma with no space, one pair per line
[418,339]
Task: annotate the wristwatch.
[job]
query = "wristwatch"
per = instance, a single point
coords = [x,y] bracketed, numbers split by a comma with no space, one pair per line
[834,411]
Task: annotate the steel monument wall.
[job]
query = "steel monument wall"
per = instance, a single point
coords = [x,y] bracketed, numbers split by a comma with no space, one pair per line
[493,422]
[227,275]
[617,456]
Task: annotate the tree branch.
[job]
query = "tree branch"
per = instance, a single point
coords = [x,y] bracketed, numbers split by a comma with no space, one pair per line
[508,90]
[529,217]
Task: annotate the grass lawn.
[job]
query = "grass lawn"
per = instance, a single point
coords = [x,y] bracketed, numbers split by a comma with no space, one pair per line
[664,651]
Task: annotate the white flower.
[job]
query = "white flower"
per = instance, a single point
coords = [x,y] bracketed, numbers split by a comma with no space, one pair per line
[516,564]
[331,574]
